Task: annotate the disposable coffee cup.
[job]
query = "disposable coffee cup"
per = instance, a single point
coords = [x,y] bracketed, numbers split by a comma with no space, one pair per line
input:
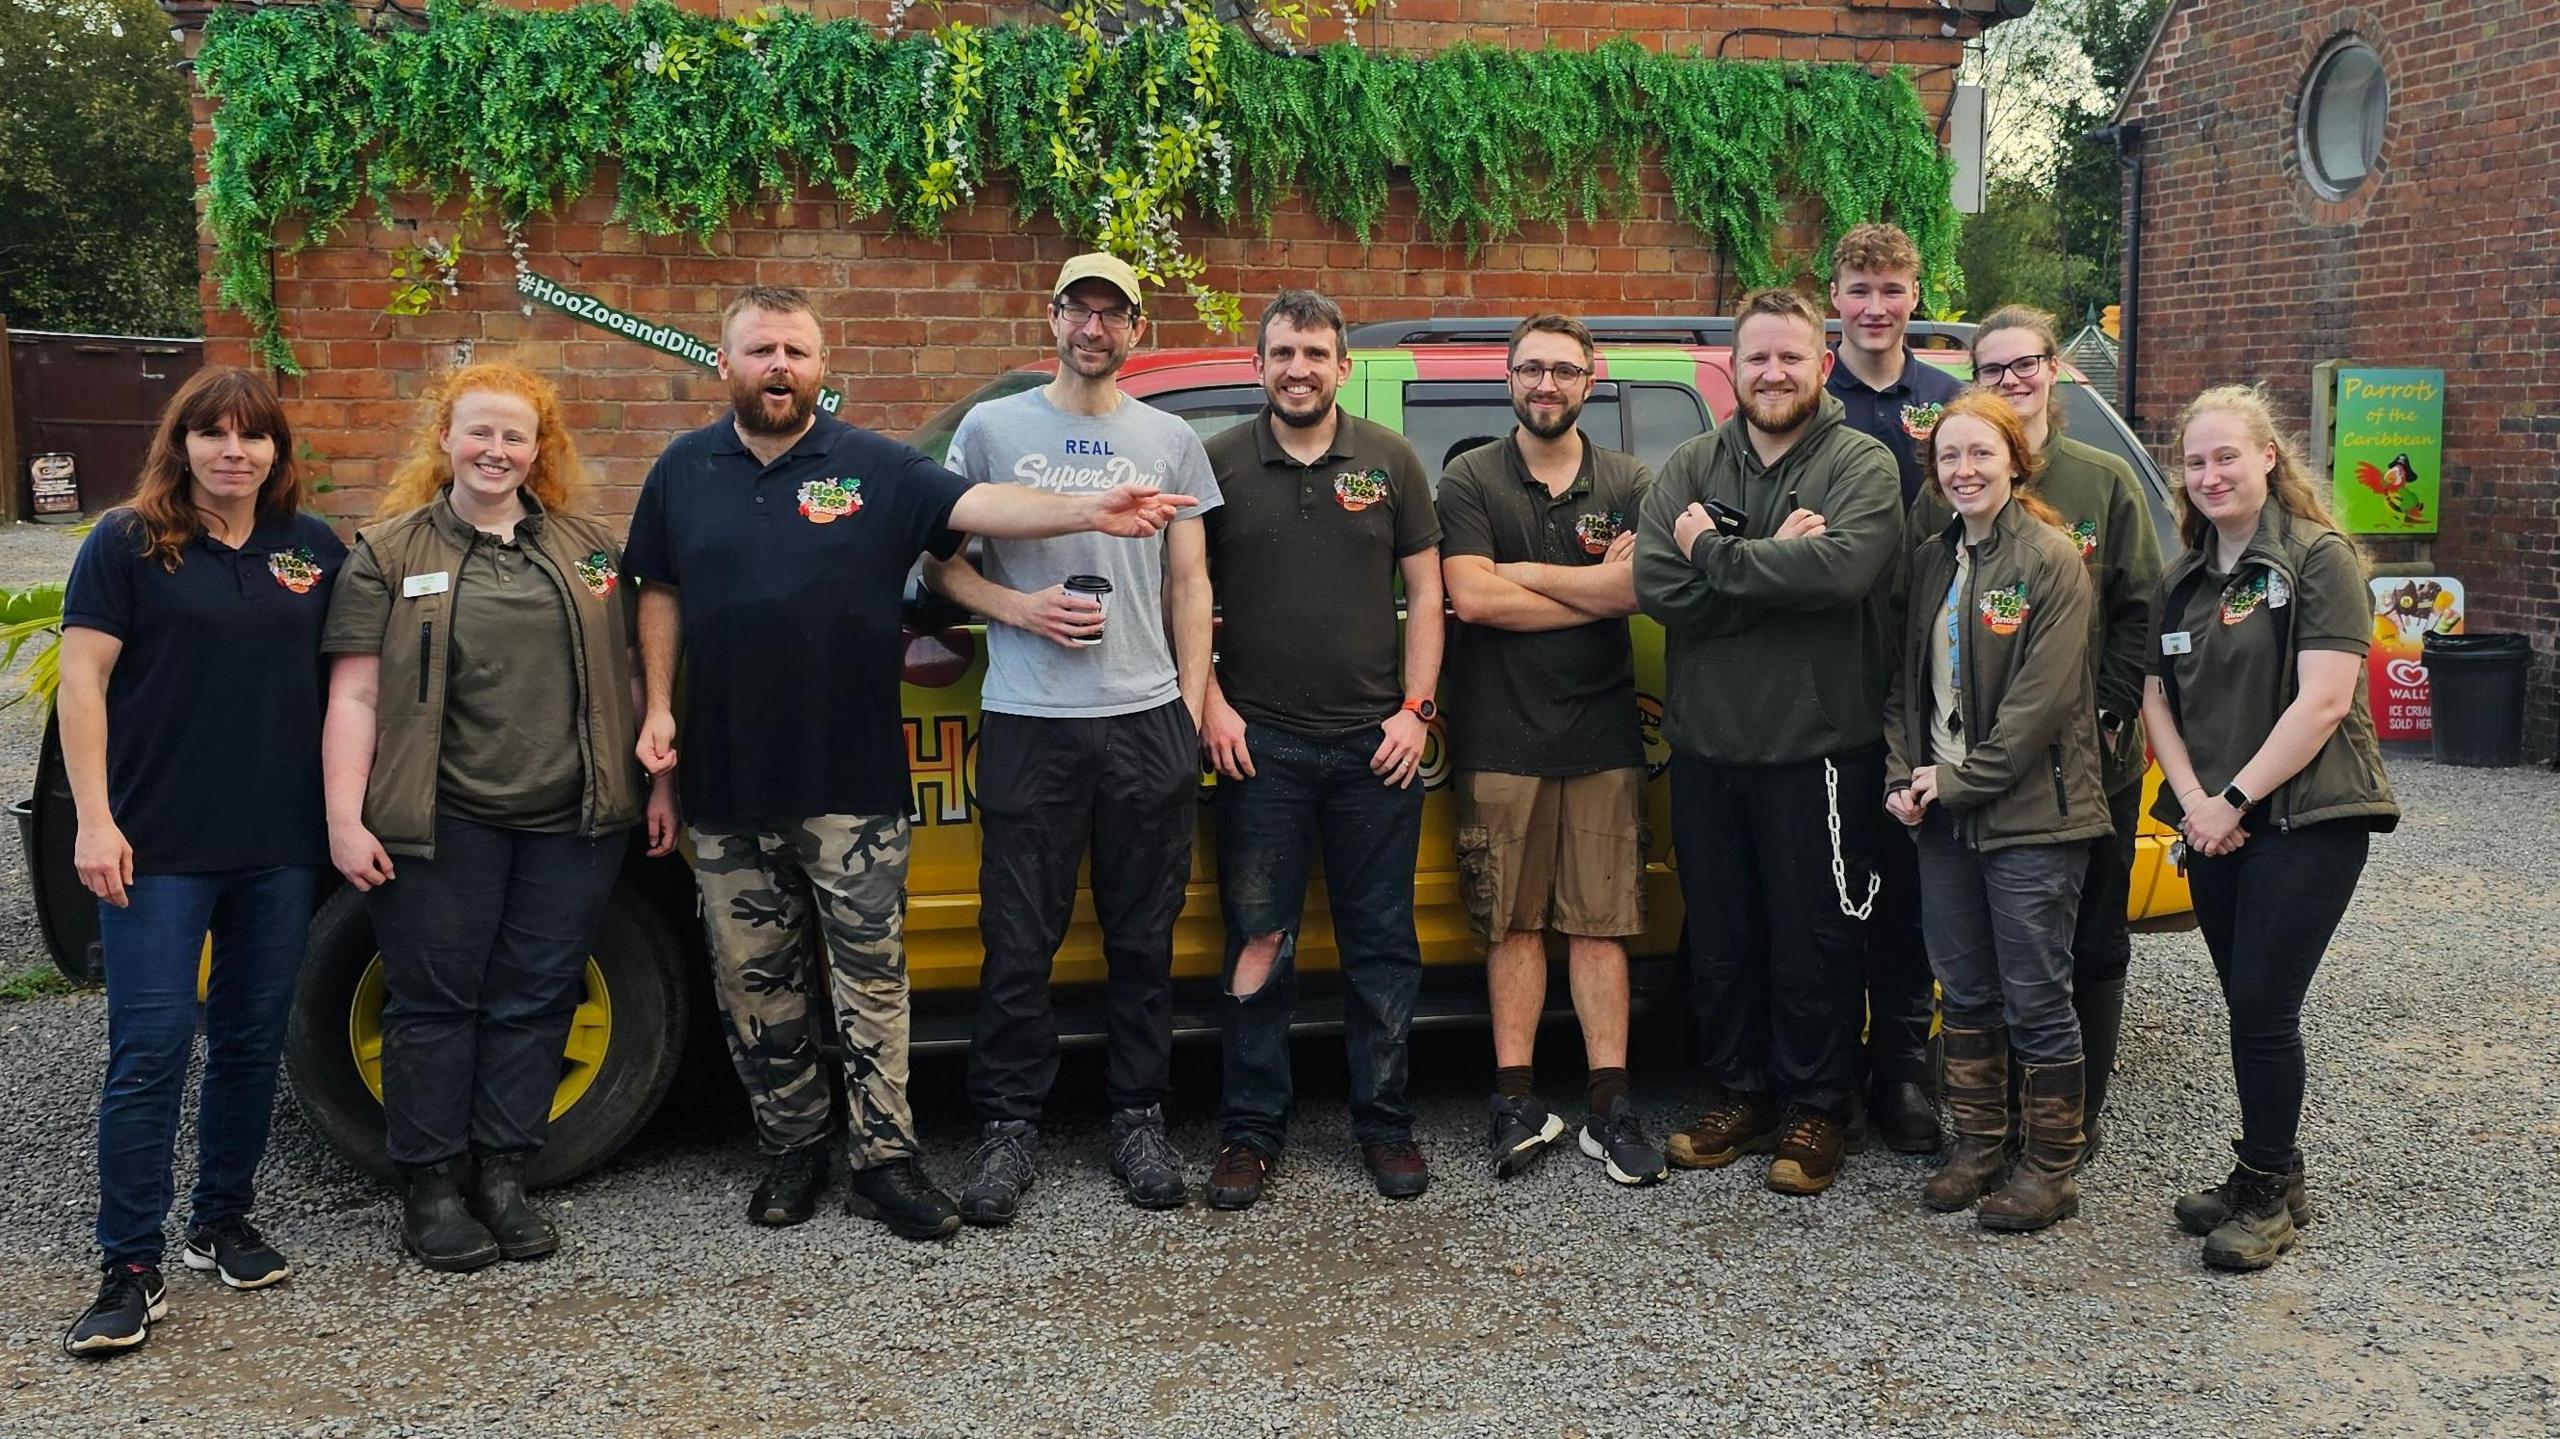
[1096,589]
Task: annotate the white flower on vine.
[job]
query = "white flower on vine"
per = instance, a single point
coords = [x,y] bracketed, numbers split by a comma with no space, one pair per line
[653,59]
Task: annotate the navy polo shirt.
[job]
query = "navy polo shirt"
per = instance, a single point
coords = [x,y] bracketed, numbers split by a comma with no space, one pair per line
[215,701]
[1899,416]
[790,578]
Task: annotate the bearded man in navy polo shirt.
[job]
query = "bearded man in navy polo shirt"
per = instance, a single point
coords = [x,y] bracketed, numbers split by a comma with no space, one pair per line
[774,545]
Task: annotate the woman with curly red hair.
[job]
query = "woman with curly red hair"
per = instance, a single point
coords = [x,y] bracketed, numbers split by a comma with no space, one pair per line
[481,791]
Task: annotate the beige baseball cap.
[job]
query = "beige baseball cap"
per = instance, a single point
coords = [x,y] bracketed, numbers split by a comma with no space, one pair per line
[1110,269]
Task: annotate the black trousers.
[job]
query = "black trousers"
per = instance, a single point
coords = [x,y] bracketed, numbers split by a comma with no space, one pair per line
[2100,949]
[2268,910]
[1775,965]
[1901,998]
[1125,787]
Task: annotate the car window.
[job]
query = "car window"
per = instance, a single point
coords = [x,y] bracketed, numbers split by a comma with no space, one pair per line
[1441,417]
[1660,419]
[1210,411]
[934,440]
[2087,418]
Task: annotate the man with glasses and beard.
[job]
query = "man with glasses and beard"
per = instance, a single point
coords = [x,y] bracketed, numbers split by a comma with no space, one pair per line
[1769,549]
[1538,559]
[774,544]
[1091,741]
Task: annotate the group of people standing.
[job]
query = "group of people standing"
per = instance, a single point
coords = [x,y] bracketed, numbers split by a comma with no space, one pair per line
[1884,599]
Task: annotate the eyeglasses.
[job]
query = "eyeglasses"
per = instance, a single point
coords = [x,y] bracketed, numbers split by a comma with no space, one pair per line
[2024,367]
[1115,318]
[1533,374]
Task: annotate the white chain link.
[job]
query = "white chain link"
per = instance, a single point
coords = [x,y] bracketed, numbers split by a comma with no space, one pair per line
[1839,868]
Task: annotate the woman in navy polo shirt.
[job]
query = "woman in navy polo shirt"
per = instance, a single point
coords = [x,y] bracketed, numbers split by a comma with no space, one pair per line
[190,708]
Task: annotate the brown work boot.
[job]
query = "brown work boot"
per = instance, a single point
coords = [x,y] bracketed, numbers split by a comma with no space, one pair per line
[2041,1190]
[1977,1090]
[1397,1166]
[1734,1126]
[1809,1145]
[1237,1175]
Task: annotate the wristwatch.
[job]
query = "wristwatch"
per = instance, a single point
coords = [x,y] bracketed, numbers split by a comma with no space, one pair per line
[2237,798]
[1422,709]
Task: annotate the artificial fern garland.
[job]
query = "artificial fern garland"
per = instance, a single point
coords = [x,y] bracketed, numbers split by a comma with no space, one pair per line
[1115,140]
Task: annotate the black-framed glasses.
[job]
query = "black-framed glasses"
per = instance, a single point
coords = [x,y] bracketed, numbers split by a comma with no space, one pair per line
[2024,367]
[1118,317]
[1534,373]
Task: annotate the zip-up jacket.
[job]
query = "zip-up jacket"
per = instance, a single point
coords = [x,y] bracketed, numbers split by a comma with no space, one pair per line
[1776,651]
[2030,769]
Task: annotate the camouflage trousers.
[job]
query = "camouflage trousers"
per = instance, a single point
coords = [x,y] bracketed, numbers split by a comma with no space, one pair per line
[760,887]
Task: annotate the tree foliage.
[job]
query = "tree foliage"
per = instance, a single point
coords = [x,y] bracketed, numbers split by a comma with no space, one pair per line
[97,222]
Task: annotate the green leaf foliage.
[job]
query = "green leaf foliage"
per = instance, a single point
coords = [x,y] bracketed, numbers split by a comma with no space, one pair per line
[1113,139]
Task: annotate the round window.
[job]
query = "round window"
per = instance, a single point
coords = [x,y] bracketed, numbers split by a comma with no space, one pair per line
[2343,109]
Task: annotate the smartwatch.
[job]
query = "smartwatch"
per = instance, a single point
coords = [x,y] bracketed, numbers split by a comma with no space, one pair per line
[2237,798]
[1422,709]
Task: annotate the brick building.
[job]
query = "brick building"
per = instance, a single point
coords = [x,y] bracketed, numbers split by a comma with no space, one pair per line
[2377,184]
[937,316]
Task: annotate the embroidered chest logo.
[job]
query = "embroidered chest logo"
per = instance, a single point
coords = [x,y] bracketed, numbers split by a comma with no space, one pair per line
[1918,420]
[1358,492]
[2085,534]
[296,569]
[823,502]
[1596,531]
[2004,610]
[597,573]
[2241,598]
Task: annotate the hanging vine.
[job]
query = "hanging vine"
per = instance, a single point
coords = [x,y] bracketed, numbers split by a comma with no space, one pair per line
[1118,137]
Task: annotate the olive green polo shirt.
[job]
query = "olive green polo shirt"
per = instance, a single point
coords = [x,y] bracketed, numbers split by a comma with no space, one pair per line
[2230,661]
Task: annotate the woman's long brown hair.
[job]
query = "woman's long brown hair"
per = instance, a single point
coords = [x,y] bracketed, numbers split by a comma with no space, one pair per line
[163,494]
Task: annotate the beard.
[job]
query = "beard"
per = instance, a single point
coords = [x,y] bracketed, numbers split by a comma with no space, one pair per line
[1306,420]
[747,402]
[1781,417]
[1111,361]
[1565,419]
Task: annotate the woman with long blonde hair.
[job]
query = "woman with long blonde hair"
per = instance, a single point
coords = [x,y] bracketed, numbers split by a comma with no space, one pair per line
[2256,708]
[482,791]
[190,709]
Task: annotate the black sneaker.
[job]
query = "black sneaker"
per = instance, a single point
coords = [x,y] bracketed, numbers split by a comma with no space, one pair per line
[1147,1165]
[788,1193]
[1619,1143]
[1522,1131]
[999,1171]
[233,1249]
[901,1195]
[130,1296]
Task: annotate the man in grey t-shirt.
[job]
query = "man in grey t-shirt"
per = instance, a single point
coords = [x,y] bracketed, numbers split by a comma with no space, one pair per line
[1097,664]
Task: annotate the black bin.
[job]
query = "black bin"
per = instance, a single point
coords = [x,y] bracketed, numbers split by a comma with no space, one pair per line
[2476,688]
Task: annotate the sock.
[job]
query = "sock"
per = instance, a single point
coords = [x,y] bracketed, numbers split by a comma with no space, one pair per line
[1608,1086]
[1514,1081]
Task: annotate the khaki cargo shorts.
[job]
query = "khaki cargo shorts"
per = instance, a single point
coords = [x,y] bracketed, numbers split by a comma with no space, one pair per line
[1563,853]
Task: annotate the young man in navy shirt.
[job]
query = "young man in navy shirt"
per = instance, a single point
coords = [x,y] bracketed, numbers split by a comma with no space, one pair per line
[774,544]
[1894,396]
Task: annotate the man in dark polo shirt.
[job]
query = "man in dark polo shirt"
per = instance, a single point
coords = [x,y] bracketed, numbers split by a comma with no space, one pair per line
[1317,730]
[1890,394]
[775,543]
[1538,561]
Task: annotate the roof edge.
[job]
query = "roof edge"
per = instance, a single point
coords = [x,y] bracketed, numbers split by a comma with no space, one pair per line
[2142,67]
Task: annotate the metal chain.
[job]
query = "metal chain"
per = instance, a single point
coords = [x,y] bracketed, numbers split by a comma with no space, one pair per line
[1839,868]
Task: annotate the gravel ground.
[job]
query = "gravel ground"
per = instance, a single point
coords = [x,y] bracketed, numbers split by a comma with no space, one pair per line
[29,554]
[2424,1301]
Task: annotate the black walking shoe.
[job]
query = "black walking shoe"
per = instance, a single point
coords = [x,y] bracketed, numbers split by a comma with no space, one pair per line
[901,1195]
[1523,1130]
[130,1296]
[1398,1168]
[1237,1177]
[233,1250]
[999,1172]
[496,1199]
[788,1193]
[1621,1147]
[437,1227]
[2259,1227]
[1145,1162]
[2202,1212]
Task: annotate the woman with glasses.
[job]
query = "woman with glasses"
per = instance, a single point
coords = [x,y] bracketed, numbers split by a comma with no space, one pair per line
[2100,503]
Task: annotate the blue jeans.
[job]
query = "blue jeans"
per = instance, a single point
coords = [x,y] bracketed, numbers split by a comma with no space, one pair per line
[1304,789]
[260,920]
[1999,926]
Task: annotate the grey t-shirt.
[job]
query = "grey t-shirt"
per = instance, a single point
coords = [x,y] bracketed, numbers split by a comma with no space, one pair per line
[1025,440]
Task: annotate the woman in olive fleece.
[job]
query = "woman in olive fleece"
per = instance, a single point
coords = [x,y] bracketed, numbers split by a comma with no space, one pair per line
[1994,769]
[2257,711]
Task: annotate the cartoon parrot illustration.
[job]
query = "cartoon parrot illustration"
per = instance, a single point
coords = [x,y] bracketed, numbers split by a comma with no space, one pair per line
[2393,482]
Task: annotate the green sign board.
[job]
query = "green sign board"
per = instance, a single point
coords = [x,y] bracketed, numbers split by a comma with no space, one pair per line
[2389,457]
[665,339]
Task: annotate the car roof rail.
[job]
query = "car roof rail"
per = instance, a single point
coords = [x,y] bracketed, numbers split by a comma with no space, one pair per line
[1611,329]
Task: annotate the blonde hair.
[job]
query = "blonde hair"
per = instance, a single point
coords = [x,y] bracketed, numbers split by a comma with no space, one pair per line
[557,478]
[1980,402]
[2287,484]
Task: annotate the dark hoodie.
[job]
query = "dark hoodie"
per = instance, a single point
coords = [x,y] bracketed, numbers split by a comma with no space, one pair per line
[1775,651]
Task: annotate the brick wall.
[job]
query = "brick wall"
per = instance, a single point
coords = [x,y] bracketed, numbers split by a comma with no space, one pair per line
[2449,255]
[914,323]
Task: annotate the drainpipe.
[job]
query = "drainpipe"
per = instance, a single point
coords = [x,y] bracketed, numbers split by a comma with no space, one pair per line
[2127,140]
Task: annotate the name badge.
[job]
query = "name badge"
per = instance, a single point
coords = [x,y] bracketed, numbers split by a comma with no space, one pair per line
[442,580]
[2176,642]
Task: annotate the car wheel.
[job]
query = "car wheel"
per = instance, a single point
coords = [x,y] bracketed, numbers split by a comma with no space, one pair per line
[624,1043]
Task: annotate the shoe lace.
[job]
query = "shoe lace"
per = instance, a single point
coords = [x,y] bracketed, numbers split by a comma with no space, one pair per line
[1804,1131]
[238,1230]
[1000,1156]
[1240,1155]
[1144,1146]
[1619,1128]
[1722,1115]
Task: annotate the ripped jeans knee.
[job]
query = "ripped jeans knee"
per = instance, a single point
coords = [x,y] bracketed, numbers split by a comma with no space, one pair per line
[1261,956]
